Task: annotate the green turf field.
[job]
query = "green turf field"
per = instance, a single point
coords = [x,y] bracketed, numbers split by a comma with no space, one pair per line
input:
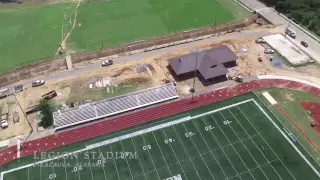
[233,139]
[289,101]
[33,33]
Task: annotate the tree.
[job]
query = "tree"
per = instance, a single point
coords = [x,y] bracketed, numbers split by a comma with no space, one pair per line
[306,12]
[46,107]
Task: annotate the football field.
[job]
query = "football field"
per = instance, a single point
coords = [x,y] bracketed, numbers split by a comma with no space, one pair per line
[240,140]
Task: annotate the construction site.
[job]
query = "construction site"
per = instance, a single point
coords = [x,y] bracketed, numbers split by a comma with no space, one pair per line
[147,72]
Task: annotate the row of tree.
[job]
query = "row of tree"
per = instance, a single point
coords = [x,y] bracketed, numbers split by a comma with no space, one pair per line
[305,12]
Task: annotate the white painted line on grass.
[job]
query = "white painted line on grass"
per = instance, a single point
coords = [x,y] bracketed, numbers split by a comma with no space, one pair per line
[245,145]
[233,146]
[255,143]
[291,143]
[130,135]
[222,148]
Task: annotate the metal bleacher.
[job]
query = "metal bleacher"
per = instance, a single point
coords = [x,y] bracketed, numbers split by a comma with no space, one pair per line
[110,107]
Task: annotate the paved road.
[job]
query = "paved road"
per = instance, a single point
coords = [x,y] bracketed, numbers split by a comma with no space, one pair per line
[139,56]
[274,17]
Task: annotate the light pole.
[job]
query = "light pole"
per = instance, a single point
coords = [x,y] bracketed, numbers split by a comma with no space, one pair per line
[195,51]
[288,27]
[25,115]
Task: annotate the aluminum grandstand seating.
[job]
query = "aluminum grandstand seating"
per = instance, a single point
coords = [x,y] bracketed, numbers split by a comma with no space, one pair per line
[113,106]
[128,120]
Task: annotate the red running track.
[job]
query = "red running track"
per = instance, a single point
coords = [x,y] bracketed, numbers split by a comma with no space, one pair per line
[314,108]
[125,121]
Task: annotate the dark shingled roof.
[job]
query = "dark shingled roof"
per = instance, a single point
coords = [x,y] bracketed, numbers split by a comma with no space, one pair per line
[210,62]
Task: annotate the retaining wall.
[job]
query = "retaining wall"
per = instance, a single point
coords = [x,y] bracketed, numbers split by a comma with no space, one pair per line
[48,67]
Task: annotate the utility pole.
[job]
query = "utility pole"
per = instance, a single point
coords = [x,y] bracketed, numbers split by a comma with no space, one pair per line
[287,27]
[196,51]
[25,115]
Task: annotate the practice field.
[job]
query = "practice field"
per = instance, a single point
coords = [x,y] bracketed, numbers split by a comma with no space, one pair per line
[234,139]
[118,22]
[30,34]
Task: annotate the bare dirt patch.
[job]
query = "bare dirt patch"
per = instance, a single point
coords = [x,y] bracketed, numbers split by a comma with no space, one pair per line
[14,128]
[124,78]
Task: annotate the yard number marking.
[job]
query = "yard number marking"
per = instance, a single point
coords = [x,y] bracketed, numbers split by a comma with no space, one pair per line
[227,122]
[189,134]
[77,168]
[169,140]
[146,147]
[208,128]
[99,162]
[52,176]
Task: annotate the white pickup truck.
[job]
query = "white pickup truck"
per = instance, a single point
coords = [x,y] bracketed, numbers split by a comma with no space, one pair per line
[4,121]
[4,124]
[291,33]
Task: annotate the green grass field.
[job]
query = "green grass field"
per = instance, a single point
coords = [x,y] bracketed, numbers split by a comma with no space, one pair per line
[289,101]
[233,139]
[32,33]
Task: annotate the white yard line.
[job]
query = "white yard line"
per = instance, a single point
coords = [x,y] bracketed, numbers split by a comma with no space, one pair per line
[135,149]
[154,166]
[40,174]
[114,161]
[28,174]
[65,168]
[130,135]
[186,152]
[162,153]
[266,141]
[255,143]
[285,126]
[245,145]
[291,143]
[194,157]
[78,168]
[251,169]
[233,146]
[103,165]
[90,165]
[198,151]
[53,171]
[126,160]
[135,128]
[176,155]
[222,149]
[209,149]
[137,133]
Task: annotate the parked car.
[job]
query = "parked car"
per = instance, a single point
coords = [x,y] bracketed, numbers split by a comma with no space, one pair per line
[291,33]
[107,63]
[260,40]
[18,88]
[304,44]
[4,124]
[38,83]
[269,51]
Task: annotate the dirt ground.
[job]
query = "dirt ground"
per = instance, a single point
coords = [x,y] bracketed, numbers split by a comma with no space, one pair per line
[124,78]
[15,128]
